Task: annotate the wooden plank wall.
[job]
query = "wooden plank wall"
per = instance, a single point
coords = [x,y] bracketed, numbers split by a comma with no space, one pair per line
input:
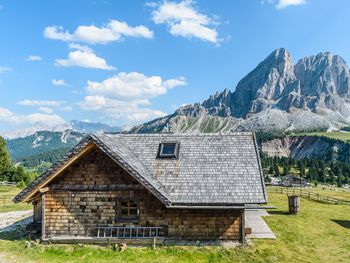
[85,196]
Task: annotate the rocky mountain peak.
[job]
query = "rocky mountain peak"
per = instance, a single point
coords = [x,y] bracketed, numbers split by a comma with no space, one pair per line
[281,59]
[219,104]
[323,73]
[265,84]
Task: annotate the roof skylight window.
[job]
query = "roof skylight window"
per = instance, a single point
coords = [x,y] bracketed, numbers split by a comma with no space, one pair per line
[168,149]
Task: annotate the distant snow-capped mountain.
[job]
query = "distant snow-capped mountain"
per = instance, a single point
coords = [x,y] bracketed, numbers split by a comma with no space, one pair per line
[74,125]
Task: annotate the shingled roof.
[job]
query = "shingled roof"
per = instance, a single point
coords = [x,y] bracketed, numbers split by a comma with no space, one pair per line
[210,170]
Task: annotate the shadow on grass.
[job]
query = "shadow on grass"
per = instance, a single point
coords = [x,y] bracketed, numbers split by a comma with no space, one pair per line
[14,235]
[278,212]
[16,230]
[343,223]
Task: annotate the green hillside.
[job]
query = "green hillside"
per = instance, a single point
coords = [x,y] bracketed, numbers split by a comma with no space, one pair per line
[42,142]
[338,135]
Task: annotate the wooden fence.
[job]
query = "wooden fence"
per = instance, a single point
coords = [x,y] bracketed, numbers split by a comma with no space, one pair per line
[5,183]
[308,194]
[6,200]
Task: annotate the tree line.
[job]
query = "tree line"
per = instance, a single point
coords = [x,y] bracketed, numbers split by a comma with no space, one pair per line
[9,171]
[314,170]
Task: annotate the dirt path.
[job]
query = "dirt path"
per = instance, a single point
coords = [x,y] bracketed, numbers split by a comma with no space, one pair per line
[10,220]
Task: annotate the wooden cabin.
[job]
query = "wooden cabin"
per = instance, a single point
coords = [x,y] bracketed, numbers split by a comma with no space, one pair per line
[167,187]
[293,181]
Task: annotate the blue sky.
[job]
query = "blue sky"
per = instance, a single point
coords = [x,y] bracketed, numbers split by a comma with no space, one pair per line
[126,62]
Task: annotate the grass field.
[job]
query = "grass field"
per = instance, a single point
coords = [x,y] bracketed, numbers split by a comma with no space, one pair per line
[330,191]
[9,206]
[343,136]
[320,233]
[339,193]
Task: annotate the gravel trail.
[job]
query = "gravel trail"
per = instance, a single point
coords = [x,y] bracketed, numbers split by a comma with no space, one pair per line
[11,220]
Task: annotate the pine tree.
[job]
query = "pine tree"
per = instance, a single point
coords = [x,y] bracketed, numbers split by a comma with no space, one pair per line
[332,177]
[6,165]
[322,174]
[339,181]
[302,170]
[277,171]
[9,172]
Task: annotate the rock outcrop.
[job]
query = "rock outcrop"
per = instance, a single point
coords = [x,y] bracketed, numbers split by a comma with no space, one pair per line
[314,147]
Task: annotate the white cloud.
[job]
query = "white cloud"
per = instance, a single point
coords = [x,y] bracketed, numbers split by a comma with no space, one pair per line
[83,58]
[133,85]
[4,69]
[172,83]
[59,82]
[33,58]
[40,103]
[114,30]
[34,118]
[80,47]
[284,3]
[130,111]
[281,4]
[45,110]
[126,96]
[184,20]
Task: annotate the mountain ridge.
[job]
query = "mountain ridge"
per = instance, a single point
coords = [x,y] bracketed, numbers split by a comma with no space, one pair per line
[313,94]
[84,127]
[41,142]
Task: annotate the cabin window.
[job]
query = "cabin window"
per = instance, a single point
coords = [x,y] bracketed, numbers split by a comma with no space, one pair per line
[168,149]
[127,210]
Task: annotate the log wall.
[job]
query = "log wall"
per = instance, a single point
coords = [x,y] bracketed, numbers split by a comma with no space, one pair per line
[86,195]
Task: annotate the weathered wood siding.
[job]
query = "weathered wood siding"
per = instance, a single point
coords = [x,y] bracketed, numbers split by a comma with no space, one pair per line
[86,194]
[37,213]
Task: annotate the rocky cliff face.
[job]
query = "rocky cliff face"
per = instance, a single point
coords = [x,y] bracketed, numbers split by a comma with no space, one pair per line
[300,147]
[276,95]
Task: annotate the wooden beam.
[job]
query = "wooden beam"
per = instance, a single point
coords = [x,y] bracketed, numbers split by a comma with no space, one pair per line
[43,190]
[43,216]
[219,207]
[34,198]
[242,227]
[87,148]
[110,187]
